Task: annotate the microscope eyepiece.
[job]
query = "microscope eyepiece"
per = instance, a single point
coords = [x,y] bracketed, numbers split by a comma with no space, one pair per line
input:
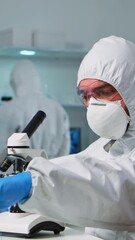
[34,123]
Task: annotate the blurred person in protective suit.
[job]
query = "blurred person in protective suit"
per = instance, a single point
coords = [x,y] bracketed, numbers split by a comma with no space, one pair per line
[53,134]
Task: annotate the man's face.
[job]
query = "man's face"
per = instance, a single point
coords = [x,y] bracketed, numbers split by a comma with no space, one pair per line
[100,90]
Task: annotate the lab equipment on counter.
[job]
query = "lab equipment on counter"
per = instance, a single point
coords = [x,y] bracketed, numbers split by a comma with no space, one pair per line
[19,155]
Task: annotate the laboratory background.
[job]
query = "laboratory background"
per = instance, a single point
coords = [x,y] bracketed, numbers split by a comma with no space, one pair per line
[55,35]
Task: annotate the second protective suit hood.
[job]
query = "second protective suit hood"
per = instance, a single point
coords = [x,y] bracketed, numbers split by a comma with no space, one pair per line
[25,79]
[112,60]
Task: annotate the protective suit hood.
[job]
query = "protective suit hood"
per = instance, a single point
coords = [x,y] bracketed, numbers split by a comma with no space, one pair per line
[112,60]
[24,79]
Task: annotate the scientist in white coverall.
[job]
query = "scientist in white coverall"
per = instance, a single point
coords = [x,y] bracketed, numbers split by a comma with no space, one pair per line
[53,135]
[95,188]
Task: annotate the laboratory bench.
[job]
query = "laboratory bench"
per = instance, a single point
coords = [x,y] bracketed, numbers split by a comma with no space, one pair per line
[67,234]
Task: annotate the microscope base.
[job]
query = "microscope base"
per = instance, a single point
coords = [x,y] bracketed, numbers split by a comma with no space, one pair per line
[27,224]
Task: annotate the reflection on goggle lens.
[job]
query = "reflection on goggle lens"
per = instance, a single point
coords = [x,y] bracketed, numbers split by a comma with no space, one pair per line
[85,95]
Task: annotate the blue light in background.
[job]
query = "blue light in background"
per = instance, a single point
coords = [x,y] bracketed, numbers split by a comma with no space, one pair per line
[27,52]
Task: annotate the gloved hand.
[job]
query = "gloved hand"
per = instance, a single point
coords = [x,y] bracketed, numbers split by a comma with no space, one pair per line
[13,189]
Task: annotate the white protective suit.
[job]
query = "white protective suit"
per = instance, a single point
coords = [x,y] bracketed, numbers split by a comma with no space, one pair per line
[95,188]
[53,134]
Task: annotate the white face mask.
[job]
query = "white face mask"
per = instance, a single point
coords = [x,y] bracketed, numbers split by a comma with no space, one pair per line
[107,119]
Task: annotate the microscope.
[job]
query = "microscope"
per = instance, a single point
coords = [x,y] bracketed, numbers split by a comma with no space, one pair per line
[19,154]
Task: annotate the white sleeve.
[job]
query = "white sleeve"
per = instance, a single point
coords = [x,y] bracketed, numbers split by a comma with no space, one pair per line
[82,191]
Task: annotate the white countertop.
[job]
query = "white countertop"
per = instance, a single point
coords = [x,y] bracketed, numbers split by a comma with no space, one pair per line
[68,234]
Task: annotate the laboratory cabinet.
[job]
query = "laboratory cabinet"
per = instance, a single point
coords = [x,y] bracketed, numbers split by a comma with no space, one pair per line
[57,69]
[44,53]
[58,73]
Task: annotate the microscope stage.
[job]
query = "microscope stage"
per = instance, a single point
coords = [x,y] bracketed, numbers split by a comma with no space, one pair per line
[27,224]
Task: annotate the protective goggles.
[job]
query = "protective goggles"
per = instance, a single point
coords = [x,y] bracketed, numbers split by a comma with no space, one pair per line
[99,93]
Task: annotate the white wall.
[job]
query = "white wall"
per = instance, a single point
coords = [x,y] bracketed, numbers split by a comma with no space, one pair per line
[81,21]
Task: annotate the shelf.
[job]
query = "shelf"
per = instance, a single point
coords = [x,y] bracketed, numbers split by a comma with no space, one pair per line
[14,52]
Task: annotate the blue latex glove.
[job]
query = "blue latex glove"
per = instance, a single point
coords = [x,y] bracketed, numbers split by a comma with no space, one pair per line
[13,189]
